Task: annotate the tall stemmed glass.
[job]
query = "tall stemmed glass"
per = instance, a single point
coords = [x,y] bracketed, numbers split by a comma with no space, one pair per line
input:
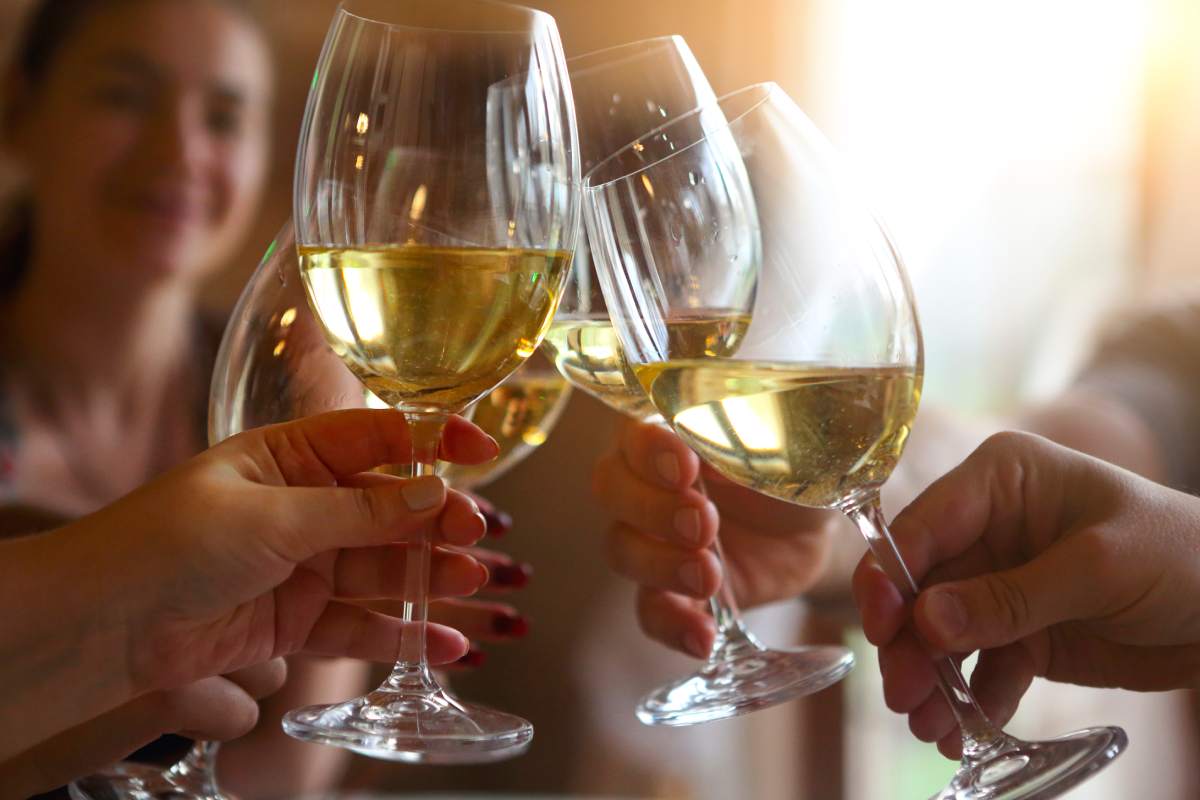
[815,405]
[435,218]
[620,93]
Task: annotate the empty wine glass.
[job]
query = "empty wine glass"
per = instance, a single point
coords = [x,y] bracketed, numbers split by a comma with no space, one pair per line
[435,219]
[815,403]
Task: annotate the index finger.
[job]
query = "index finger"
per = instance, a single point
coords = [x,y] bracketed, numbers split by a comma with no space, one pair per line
[656,455]
[316,451]
[880,604]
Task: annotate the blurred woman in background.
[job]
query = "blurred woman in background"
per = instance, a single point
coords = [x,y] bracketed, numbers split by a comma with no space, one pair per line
[141,130]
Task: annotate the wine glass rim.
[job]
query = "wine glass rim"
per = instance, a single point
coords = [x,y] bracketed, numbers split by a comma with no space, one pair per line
[606,51]
[767,89]
[531,13]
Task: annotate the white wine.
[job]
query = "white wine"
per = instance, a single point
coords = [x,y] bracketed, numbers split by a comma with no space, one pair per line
[519,414]
[431,328]
[811,434]
[588,354]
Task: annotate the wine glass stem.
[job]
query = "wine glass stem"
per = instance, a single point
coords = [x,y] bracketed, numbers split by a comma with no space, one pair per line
[197,770]
[980,736]
[731,631]
[411,672]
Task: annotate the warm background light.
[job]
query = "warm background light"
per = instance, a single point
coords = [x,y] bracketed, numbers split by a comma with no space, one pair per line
[1039,163]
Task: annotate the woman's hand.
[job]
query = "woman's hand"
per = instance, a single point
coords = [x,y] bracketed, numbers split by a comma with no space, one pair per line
[664,529]
[1052,564]
[211,709]
[256,549]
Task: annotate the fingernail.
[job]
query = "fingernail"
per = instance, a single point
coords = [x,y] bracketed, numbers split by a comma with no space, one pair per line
[687,524]
[424,493]
[512,625]
[668,467]
[691,578]
[473,658]
[946,612]
[498,522]
[693,645]
[511,576]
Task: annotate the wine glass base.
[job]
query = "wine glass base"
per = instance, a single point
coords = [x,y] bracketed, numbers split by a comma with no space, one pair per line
[729,686]
[1037,770]
[131,781]
[425,729]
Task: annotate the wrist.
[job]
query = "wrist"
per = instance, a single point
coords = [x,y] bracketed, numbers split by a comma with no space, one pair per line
[66,640]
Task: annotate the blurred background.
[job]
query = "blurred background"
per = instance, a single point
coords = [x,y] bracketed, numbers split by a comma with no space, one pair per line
[1039,164]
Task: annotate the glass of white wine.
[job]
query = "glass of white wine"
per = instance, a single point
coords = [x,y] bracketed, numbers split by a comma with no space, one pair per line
[815,404]
[274,366]
[519,414]
[435,220]
[620,93]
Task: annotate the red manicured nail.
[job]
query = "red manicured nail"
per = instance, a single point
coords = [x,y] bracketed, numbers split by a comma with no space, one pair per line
[473,658]
[515,626]
[511,576]
[498,522]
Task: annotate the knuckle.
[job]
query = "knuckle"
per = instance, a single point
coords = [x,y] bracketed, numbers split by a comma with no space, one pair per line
[1010,603]
[1003,442]
[372,507]
[1099,555]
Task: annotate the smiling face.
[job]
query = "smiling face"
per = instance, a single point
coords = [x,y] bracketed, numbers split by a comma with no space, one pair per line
[145,141]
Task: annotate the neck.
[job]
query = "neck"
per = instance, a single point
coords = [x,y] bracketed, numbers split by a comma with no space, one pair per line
[100,342]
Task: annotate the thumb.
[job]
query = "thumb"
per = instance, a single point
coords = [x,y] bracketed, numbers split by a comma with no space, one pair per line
[999,608]
[310,521]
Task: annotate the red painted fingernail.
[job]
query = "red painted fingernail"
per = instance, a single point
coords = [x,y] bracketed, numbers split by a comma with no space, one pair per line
[473,658]
[498,522]
[513,625]
[511,576]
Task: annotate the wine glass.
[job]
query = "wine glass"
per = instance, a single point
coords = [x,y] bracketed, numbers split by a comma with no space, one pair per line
[815,404]
[519,414]
[620,93]
[435,218]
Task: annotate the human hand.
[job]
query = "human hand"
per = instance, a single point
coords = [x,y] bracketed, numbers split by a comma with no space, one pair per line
[255,548]
[210,709]
[664,529]
[1052,564]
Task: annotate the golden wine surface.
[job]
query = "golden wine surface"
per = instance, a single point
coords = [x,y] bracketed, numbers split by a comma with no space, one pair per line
[432,328]
[810,434]
[519,415]
[588,354]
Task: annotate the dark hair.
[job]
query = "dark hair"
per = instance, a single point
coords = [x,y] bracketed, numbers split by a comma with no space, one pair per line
[48,27]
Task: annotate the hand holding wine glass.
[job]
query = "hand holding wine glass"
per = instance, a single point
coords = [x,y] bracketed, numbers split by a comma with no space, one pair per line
[816,403]
[256,549]
[436,210]
[620,93]
[772,550]
[1011,548]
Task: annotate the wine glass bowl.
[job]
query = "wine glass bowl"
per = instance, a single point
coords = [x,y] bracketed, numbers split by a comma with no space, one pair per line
[815,403]
[620,94]
[519,414]
[436,211]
